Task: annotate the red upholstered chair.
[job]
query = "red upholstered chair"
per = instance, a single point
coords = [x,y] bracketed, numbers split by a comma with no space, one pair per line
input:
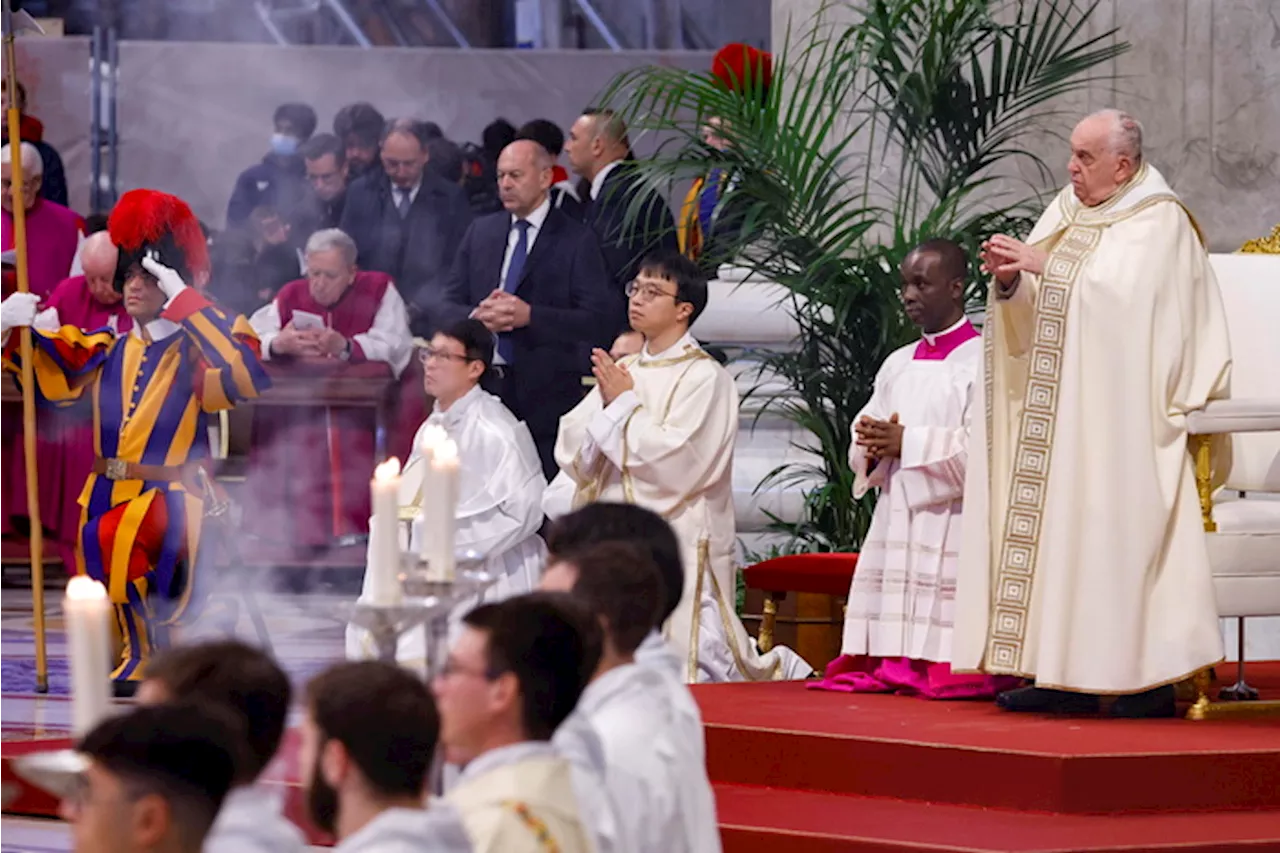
[821,574]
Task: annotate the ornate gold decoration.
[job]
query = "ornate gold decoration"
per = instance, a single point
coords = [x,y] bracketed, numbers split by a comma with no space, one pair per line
[1020,545]
[767,623]
[1206,709]
[1201,449]
[1269,245]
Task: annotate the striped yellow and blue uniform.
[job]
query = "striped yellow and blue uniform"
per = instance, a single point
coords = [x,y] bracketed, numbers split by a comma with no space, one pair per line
[151,404]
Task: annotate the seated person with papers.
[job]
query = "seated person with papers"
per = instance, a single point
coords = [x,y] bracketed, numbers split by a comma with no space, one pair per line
[500,480]
[309,467]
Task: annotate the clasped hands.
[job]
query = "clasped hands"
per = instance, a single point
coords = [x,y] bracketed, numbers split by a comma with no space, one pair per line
[882,439]
[502,312]
[308,343]
[613,379]
[1006,259]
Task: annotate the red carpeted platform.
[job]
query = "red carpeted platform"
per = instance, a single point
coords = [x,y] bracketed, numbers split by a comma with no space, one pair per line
[811,772]
[799,771]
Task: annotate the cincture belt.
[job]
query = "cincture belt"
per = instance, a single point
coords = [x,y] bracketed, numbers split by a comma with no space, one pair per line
[120,469]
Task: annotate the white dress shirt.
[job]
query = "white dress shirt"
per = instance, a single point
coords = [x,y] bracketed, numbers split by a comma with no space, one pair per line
[597,183]
[535,220]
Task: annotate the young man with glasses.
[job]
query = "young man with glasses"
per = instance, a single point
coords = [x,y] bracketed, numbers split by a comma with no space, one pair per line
[658,430]
[513,676]
[501,481]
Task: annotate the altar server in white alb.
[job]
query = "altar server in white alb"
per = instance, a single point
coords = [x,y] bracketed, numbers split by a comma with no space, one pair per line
[1084,563]
[658,430]
[654,762]
[501,481]
[911,443]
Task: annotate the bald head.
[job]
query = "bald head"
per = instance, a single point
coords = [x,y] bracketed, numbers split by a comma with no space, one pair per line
[524,177]
[98,260]
[1106,151]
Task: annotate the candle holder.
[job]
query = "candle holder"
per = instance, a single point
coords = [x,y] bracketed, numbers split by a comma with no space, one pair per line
[426,604]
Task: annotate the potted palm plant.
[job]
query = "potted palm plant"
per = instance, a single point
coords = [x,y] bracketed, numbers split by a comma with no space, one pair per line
[902,120]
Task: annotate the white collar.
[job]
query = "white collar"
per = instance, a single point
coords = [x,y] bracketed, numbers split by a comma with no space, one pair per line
[597,183]
[678,348]
[459,407]
[538,216]
[605,686]
[932,339]
[158,329]
[412,191]
[507,755]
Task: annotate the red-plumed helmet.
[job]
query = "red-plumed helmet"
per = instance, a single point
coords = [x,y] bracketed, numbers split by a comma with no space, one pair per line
[743,69]
[149,220]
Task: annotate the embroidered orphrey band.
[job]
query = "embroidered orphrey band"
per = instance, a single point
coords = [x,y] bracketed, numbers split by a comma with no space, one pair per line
[1018,550]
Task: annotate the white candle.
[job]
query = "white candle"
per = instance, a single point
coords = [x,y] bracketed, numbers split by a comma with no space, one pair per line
[440,512]
[433,435]
[86,611]
[384,540]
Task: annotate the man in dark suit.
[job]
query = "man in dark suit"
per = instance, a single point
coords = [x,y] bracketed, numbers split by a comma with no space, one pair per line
[535,277]
[629,219]
[408,223]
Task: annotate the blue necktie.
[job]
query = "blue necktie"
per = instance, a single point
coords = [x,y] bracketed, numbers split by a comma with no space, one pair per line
[518,256]
[707,202]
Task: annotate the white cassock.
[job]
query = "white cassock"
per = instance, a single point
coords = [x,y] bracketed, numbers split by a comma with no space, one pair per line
[251,820]
[668,446]
[600,808]
[1084,563]
[511,797]
[388,339]
[437,829]
[654,763]
[902,599]
[499,506]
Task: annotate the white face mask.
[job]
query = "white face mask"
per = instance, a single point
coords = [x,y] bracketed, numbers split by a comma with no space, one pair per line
[282,143]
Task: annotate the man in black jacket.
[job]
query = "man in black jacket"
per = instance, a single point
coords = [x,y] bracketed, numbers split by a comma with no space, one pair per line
[629,219]
[536,279]
[408,223]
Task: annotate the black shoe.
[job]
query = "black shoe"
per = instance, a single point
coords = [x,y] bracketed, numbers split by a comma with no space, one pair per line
[1149,704]
[1046,701]
[124,689]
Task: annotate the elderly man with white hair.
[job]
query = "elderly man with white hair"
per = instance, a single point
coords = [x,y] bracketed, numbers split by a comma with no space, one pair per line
[1084,563]
[53,231]
[310,467]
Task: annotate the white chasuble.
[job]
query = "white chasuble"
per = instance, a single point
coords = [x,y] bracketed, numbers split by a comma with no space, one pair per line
[902,599]
[668,446]
[499,507]
[1083,561]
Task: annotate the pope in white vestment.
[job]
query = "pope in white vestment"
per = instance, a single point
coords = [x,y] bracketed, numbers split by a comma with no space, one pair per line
[667,445]
[1084,562]
[499,498]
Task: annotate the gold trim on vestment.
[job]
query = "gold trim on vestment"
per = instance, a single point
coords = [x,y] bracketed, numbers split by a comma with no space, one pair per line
[695,619]
[690,352]
[1018,549]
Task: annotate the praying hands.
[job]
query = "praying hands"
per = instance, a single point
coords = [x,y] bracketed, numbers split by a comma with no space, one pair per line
[612,379]
[882,439]
[502,312]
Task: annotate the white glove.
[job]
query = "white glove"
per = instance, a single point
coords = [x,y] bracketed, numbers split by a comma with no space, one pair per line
[170,282]
[18,310]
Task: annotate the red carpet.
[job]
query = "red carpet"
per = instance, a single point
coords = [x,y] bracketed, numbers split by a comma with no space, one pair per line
[798,771]
[811,772]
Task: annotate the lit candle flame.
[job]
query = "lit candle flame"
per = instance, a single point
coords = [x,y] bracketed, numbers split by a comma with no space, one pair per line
[85,588]
[387,471]
[432,436]
[446,451]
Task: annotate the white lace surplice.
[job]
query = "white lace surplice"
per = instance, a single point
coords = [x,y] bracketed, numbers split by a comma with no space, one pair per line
[902,600]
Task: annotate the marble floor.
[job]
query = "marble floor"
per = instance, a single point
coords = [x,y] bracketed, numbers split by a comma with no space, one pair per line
[303,630]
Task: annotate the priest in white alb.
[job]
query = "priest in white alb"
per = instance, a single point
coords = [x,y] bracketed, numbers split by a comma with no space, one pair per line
[1084,564]
[911,443]
[500,478]
[658,430]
